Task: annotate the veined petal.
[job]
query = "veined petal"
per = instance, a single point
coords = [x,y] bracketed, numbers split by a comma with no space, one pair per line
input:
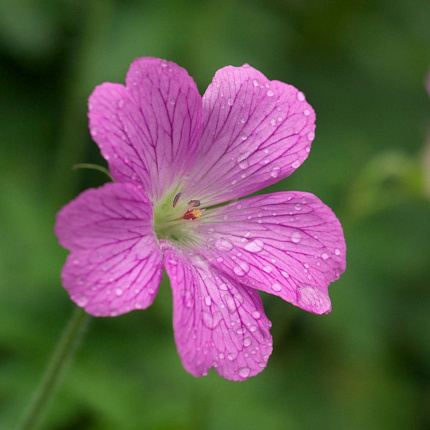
[289,244]
[218,323]
[149,130]
[256,132]
[115,265]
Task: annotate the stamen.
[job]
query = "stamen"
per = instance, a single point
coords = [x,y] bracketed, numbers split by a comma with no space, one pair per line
[193,203]
[175,200]
[192,214]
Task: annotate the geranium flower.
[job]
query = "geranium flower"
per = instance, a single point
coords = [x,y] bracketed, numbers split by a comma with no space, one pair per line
[180,164]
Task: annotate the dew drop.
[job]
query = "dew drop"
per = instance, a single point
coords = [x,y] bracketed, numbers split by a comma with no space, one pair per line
[118,292]
[270,93]
[230,101]
[306,112]
[120,103]
[337,251]
[255,82]
[172,101]
[324,256]
[298,206]
[242,159]
[256,315]
[247,341]
[276,287]
[254,245]
[285,274]
[243,120]
[275,171]
[223,287]
[310,135]
[244,136]
[229,301]
[212,320]
[241,269]
[300,96]
[223,245]
[231,356]
[241,330]
[295,164]
[244,372]
[296,237]
[82,301]
[208,300]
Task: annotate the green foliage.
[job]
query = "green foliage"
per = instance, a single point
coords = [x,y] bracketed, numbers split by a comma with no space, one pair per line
[362,65]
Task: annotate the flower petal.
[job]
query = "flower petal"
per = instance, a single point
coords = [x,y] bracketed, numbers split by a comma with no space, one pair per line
[256,132]
[116,264]
[289,244]
[149,130]
[218,323]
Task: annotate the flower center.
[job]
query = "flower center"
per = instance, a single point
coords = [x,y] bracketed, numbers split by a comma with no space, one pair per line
[175,219]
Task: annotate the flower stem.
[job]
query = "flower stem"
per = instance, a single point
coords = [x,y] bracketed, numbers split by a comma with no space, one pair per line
[55,370]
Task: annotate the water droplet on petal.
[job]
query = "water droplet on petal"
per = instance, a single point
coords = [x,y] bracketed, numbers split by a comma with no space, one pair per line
[300,96]
[242,159]
[243,120]
[247,341]
[256,315]
[296,236]
[229,301]
[120,103]
[275,171]
[231,356]
[244,136]
[311,135]
[211,320]
[313,299]
[118,292]
[172,101]
[270,93]
[337,251]
[254,245]
[306,112]
[82,300]
[230,101]
[276,287]
[295,164]
[255,82]
[324,256]
[244,372]
[223,245]
[241,330]
[208,300]
[223,287]
[242,268]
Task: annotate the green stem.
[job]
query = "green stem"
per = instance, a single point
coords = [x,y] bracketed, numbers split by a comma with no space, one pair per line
[56,368]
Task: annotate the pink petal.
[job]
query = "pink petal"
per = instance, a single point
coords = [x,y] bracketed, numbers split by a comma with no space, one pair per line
[149,130]
[256,132]
[116,264]
[289,244]
[218,323]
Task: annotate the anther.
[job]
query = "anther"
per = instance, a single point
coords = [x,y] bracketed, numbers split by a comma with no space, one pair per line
[175,200]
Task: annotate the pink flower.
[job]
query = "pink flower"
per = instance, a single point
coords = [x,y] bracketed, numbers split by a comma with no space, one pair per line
[179,164]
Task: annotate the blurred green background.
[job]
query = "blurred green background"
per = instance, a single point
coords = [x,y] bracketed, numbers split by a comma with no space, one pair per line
[362,65]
